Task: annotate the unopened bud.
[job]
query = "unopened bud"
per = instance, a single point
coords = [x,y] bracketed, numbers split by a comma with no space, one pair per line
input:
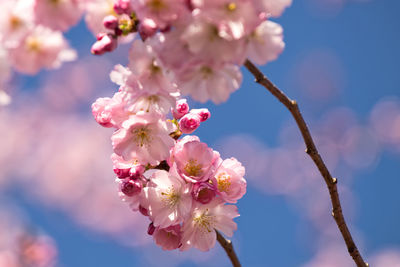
[122,173]
[189,123]
[203,192]
[203,113]
[143,211]
[147,28]
[106,44]
[136,171]
[122,7]
[151,229]
[181,109]
[110,22]
[131,187]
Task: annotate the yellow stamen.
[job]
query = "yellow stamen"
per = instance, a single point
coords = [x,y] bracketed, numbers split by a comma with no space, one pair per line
[224,182]
[142,136]
[192,168]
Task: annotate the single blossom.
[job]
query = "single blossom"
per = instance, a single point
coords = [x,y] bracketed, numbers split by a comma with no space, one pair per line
[265,43]
[167,199]
[194,160]
[203,192]
[213,82]
[145,138]
[168,238]
[199,229]
[41,48]
[229,181]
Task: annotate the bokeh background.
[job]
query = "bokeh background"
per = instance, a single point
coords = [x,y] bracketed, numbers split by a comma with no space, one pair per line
[342,65]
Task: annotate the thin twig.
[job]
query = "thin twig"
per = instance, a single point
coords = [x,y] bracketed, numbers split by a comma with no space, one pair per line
[312,151]
[228,247]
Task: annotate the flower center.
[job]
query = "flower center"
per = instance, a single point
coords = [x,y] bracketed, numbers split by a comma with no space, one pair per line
[170,197]
[142,136]
[224,182]
[15,22]
[156,5]
[192,168]
[33,44]
[231,7]
[205,222]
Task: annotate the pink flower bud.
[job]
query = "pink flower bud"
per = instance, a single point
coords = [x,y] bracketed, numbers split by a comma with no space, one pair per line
[100,35]
[143,211]
[189,123]
[203,113]
[110,22]
[131,187]
[181,109]
[100,114]
[136,171]
[122,7]
[147,28]
[122,173]
[151,229]
[203,192]
[106,44]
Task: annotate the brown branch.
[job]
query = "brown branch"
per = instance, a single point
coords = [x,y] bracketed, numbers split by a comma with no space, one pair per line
[226,244]
[312,151]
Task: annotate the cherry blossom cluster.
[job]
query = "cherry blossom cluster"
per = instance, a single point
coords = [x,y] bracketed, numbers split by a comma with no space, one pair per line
[185,48]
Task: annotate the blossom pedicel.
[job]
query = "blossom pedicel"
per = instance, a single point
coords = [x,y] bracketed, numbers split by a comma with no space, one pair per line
[190,48]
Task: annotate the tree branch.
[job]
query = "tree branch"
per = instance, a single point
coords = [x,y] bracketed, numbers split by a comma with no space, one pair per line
[228,247]
[312,151]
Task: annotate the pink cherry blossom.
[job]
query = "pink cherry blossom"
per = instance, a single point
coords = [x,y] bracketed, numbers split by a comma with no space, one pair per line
[110,112]
[203,39]
[41,48]
[210,82]
[58,15]
[229,180]
[194,160]
[147,69]
[15,22]
[265,43]
[145,138]
[168,238]
[199,230]
[167,199]
[131,192]
[96,10]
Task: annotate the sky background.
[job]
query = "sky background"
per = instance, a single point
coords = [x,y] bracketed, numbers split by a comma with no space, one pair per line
[341,63]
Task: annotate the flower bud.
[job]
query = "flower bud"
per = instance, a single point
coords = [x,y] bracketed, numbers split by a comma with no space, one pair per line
[122,7]
[143,211]
[151,229]
[122,173]
[189,123]
[181,109]
[107,43]
[131,187]
[110,22]
[203,113]
[203,192]
[100,114]
[147,28]
[136,171]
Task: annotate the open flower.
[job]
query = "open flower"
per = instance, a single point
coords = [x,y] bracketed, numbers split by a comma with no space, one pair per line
[145,138]
[194,160]
[229,180]
[199,230]
[167,199]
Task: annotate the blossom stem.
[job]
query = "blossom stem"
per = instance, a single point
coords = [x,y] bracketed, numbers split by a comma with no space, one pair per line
[226,244]
[312,151]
